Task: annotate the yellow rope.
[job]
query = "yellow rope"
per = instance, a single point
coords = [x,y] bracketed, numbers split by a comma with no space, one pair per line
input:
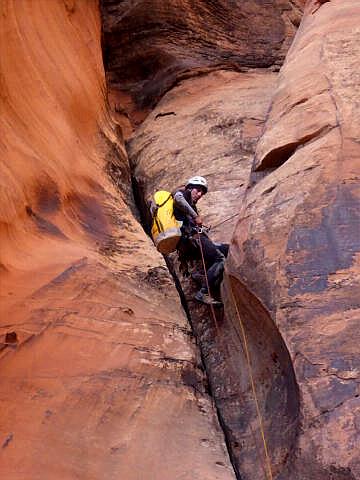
[207,282]
[248,361]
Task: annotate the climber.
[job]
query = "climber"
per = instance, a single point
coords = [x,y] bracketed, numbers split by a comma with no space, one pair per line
[185,210]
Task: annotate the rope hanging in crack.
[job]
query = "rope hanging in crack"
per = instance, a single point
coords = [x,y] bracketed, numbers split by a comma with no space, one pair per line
[251,376]
[257,448]
[248,361]
[207,281]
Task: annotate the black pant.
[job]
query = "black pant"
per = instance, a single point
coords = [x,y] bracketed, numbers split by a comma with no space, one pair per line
[214,256]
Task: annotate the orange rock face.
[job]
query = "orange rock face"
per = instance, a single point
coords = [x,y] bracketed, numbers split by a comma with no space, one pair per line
[100,373]
[100,376]
[295,253]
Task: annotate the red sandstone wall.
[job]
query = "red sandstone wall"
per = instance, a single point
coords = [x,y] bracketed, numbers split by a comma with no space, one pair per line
[295,252]
[100,377]
[293,266]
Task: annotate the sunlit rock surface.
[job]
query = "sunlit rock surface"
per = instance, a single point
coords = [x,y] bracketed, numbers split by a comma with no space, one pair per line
[100,376]
[295,253]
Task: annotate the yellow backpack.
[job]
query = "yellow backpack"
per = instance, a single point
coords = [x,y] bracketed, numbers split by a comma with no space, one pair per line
[165,229]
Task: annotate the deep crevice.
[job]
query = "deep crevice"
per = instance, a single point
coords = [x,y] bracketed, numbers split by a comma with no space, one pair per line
[138,192]
[224,362]
[164,114]
[221,351]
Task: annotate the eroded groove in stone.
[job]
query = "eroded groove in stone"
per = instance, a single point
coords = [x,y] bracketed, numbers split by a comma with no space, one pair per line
[150,45]
[277,157]
[273,374]
[218,120]
[100,375]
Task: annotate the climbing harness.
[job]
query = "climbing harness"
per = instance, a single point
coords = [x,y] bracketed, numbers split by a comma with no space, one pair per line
[202,229]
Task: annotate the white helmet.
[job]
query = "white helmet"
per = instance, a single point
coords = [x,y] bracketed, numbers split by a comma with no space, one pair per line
[197,182]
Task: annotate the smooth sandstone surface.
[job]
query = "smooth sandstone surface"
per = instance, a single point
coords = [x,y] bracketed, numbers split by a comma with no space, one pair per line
[100,375]
[295,253]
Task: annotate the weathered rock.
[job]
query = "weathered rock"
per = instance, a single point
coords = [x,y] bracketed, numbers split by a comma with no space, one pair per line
[294,262]
[100,376]
[293,259]
[80,281]
[152,45]
[210,126]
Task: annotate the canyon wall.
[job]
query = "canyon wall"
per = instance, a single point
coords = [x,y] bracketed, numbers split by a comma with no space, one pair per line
[100,375]
[292,282]
[294,260]
[151,45]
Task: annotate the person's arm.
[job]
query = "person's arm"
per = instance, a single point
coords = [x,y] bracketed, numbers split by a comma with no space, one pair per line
[152,207]
[182,204]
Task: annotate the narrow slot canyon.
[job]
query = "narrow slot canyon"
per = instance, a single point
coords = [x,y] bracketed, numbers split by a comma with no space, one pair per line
[220,339]
[109,367]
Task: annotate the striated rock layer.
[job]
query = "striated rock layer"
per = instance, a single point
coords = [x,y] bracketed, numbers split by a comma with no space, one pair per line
[100,377]
[150,45]
[294,265]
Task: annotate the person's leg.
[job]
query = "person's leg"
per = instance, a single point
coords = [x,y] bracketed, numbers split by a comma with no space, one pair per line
[223,247]
[214,261]
[214,255]
[215,275]
[211,252]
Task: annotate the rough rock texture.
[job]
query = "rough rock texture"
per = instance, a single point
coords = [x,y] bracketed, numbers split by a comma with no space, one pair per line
[150,45]
[295,254]
[292,275]
[210,125]
[100,376]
